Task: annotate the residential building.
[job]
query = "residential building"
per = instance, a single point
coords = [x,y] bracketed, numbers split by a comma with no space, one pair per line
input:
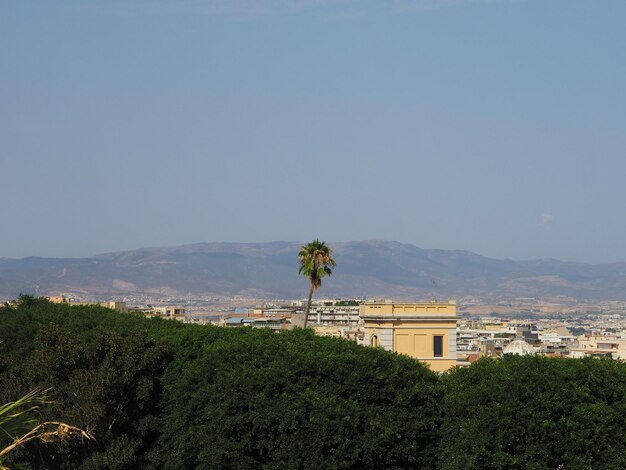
[119,306]
[425,331]
[599,345]
[273,323]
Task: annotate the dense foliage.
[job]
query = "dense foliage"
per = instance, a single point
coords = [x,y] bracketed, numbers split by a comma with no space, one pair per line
[298,401]
[161,394]
[535,412]
[103,372]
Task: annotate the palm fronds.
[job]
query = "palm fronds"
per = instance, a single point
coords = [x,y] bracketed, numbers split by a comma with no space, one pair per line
[20,416]
[47,431]
[316,262]
[20,423]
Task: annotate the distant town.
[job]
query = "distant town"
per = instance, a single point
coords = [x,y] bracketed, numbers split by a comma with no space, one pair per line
[440,333]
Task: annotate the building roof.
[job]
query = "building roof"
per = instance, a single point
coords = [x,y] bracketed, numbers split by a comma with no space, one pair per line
[519,347]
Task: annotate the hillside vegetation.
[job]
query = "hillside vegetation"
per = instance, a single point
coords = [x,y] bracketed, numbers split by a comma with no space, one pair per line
[161,394]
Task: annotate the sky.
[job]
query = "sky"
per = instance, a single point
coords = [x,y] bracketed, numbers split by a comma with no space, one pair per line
[495,126]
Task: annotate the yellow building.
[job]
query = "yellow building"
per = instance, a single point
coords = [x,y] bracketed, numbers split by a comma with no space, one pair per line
[425,331]
[119,306]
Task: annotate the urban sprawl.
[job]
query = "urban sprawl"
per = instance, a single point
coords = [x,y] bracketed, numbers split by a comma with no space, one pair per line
[439,333]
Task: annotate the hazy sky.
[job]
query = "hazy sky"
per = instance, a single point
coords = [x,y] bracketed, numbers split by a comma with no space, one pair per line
[492,126]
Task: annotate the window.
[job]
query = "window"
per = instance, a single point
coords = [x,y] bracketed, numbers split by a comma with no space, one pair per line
[375,342]
[438,346]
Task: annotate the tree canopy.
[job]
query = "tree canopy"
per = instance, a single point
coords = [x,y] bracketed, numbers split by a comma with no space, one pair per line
[535,412]
[161,394]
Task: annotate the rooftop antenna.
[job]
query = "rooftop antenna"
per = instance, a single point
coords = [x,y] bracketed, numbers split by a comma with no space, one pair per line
[188,311]
[433,282]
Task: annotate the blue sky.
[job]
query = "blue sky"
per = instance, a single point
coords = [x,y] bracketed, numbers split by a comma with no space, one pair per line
[496,126]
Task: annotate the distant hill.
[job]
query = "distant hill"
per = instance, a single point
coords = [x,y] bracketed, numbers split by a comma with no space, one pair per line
[364,268]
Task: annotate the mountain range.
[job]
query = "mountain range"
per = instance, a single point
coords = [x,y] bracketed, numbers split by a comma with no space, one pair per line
[269,270]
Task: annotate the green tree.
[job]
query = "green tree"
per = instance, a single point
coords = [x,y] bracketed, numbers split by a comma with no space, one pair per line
[576,330]
[103,372]
[535,412]
[253,399]
[316,262]
[162,394]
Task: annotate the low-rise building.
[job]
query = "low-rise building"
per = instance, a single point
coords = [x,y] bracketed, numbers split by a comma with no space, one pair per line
[254,321]
[114,305]
[169,311]
[598,345]
[425,331]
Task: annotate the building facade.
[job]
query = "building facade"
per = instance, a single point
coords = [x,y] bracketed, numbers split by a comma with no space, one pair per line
[425,331]
[600,345]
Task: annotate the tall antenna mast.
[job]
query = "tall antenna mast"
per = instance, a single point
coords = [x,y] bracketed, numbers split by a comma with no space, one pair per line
[188,311]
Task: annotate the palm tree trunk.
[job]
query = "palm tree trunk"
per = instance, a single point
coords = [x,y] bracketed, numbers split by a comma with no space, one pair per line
[308,307]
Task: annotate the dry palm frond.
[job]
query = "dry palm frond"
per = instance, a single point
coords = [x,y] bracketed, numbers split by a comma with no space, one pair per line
[48,432]
[19,423]
[18,417]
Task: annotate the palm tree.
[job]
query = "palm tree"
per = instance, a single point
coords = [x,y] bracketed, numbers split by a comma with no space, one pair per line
[19,424]
[315,263]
